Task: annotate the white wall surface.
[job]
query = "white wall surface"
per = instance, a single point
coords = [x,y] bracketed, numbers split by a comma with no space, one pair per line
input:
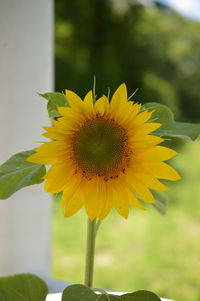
[26,67]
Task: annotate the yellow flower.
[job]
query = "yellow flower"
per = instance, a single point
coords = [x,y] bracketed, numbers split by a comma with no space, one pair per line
[103,155]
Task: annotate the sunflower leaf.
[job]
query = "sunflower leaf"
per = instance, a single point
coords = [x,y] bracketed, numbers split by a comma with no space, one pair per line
[103,297]
[140,296]
[170,127]
[27,287]
[115,298]
[77,292]
[55,100]
[17,173]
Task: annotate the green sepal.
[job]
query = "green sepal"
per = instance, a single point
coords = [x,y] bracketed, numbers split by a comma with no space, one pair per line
[170,127]
[140,296]
[17,173]
[27,287]
[55,100]
[161,202]
[57,196]
[77,292]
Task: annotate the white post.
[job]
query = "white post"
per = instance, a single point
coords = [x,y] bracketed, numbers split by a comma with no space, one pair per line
[26,67]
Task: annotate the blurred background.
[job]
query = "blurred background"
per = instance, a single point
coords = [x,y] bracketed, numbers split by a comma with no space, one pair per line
[152,46]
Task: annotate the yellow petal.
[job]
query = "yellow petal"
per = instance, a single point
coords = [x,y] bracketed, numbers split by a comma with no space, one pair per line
[49,153]
[51,147]
[141,190]
[69,114]
[71,205]
[121,206]
[57,177]
[145,128]
[64,110]
[101,105]
[119,97]
[158,153]
[121,200]
[59,126]
[107,205]
[88,104]
[125,112]
[42,159]
[145,141]
[93,199]
[163,171]
[142,118]
[74,100]
[147,179]
[135,202]
[54,133]
[106,199]
[70,189]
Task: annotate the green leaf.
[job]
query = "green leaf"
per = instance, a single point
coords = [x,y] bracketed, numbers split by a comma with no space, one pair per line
[161,203]
[78,292]
[115,298]
[103,297]
[55,100]
[17,173]
[140,296]
[23,287]
[170,127]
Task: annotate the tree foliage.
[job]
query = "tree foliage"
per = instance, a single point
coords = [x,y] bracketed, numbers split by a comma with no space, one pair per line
[150,48]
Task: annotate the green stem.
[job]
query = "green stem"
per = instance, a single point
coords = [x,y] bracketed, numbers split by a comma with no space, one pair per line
[90,250]
[98,223]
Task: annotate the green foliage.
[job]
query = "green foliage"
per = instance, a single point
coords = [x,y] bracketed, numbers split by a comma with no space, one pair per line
[23,287]
[141,296]
[171,128]
[114,298]
[17,173]
[161,89]
[55,100]
[29,287]
[158,52]
[103,298]
[78,292]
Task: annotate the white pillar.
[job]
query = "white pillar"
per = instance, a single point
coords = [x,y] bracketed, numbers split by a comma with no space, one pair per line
[26,67]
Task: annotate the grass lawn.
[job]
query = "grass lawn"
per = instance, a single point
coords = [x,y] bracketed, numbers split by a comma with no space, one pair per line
[147,251]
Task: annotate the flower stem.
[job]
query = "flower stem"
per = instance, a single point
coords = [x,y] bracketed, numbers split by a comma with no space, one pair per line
[90,250]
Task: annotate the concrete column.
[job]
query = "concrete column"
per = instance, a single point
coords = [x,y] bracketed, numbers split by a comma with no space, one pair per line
[26,67]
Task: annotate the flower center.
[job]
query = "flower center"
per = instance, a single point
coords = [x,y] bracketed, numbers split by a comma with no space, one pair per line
[99,146]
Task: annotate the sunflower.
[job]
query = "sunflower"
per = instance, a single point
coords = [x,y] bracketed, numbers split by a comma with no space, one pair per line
[103,155]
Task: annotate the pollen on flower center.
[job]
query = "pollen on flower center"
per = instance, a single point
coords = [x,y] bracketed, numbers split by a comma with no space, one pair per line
[99,146]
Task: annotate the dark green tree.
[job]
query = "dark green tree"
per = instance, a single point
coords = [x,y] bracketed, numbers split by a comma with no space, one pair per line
[150,48]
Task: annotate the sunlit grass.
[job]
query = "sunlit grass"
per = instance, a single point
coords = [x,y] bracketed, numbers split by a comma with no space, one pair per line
[147,251]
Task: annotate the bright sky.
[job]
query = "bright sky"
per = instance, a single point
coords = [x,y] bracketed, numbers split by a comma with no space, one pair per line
[189,8]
